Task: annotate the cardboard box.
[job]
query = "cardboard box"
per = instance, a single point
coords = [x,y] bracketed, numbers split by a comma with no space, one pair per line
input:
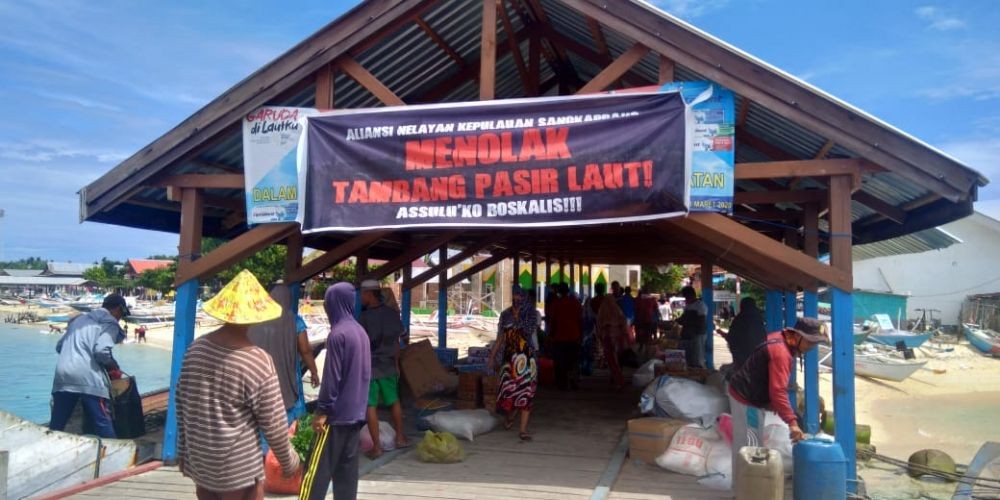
[422,371]
[470,387]
[648,438]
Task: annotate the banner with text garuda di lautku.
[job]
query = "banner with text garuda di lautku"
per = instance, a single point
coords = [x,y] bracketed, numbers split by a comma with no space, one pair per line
[270,136]
[526,162]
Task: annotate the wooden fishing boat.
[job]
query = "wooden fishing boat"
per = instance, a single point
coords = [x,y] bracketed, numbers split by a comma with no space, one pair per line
[41,460]
[885,333]
[985,340]
[884,366]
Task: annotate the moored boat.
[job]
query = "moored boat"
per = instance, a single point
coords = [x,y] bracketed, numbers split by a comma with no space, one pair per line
[910,339]
[985,340]
[885,366]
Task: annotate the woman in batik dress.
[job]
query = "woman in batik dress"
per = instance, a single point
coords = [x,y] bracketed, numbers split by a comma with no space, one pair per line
[514,352]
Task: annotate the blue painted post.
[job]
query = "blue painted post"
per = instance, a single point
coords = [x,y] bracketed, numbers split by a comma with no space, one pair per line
[791,316]
[843,377]
[406,299]
[810,309]
[185,310]
[773,315]
[443,300]
[708,298]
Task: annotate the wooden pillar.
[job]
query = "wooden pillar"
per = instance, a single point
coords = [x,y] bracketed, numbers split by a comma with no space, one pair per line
[810,309]
[666,70]
[517,268]
[708,298]
[324,88]
[843,323]
[406,300]
[573,282]
[548,277]
[488,54]
[443,299]
[189,250]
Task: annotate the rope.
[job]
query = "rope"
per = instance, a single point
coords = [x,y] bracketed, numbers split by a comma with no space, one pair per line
[955,477]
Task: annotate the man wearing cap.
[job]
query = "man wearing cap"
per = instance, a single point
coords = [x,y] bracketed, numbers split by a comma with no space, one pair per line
[84,356]
[227,392]
[383,326]
[762,381]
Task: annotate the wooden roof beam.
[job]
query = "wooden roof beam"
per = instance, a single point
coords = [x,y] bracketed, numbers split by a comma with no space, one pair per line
[358,73]
[479,266]
[800,168]
[415,250]
[666,70]
[204,181]
[235,250]
[595,58]
[488,52]
[440,42]
[515,48]
[615,70]
[471,72]
[450,262]
[336,255]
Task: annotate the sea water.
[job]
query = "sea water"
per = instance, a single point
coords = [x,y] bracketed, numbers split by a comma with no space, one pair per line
[28,361]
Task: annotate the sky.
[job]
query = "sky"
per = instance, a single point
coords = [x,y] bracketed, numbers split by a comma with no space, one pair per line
[86,84]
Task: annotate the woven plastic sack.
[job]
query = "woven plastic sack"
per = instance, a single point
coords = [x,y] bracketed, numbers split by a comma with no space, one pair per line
[440,448]
[689,450]
[466,424]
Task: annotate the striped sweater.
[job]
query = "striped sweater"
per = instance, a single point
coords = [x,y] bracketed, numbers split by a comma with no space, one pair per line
[224,396]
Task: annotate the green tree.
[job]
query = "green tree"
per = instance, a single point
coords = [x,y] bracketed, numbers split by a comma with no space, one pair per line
[268,265]
[161,280]
[668,281]
[36,263]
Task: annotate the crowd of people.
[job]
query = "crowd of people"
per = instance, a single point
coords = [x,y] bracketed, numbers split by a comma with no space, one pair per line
[242,381]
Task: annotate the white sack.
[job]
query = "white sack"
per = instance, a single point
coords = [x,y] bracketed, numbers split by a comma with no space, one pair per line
[463,423]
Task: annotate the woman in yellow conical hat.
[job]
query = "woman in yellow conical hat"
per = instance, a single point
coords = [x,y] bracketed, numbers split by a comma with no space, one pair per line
[223,376]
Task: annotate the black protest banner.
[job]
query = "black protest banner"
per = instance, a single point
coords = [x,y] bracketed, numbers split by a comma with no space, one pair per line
[528,162]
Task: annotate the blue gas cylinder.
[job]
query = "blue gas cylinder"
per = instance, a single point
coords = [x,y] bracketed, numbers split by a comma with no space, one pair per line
[820,470]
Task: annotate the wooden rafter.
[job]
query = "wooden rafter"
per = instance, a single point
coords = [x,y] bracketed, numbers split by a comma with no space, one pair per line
[237,249]
[825,150]
[336,255]
[293,255]
[587,53]
[324,88]
[741,113]
[538,12]
[800,168]
[471,72]
[598,35]
[615,70]
[666,72]
[358,73]
[488,52]
[534,65]
[413,251]
[479,266]
[515,48]
[448,263]
[441,43]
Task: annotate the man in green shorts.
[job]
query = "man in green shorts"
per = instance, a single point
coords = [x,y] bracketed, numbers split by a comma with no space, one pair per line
[384,329]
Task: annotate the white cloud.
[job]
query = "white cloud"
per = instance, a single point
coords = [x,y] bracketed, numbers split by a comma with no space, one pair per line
[938,19]
[690,9]
[45,150]
[77,100]
[982,155]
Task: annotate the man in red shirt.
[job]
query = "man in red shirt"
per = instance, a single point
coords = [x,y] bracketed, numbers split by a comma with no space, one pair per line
[761,383]
[567,315]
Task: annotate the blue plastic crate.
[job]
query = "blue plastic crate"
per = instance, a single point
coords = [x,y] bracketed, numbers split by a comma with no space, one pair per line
[448,356]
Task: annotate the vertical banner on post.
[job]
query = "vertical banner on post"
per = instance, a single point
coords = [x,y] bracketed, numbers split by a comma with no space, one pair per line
[270,139]
[713,145]
[555,161]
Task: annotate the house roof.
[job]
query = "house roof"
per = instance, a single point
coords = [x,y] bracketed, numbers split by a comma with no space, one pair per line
[140,266]
[21,272]
[66,268]
[780,117]
[42,281]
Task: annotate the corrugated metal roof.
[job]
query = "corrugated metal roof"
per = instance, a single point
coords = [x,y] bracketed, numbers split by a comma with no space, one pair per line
[41,281]
[21,273]
[921,241]
[66,268]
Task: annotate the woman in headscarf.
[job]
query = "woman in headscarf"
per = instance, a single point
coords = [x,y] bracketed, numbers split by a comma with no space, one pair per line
[514,352]
[746,332]
[612,333]
[285,340]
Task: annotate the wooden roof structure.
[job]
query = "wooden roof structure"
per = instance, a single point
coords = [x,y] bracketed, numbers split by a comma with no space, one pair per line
[814,175]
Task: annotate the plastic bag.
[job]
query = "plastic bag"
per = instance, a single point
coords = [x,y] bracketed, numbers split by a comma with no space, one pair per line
[725,428]
[689,400]
[466,424]
[274,479]
[440,448]
[776,438]
[645,374]
[719,467]
[689,450]
[386,437]
[647,402]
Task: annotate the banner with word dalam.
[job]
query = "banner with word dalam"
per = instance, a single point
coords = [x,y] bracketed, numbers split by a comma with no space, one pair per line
[270,136]
[526,162]
[713,144]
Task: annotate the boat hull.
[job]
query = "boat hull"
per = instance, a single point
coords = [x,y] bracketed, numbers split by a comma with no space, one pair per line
[982,340]
[879,367]
[41,460]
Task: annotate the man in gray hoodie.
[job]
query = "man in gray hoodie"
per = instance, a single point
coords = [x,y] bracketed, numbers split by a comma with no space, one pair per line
[84,356]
